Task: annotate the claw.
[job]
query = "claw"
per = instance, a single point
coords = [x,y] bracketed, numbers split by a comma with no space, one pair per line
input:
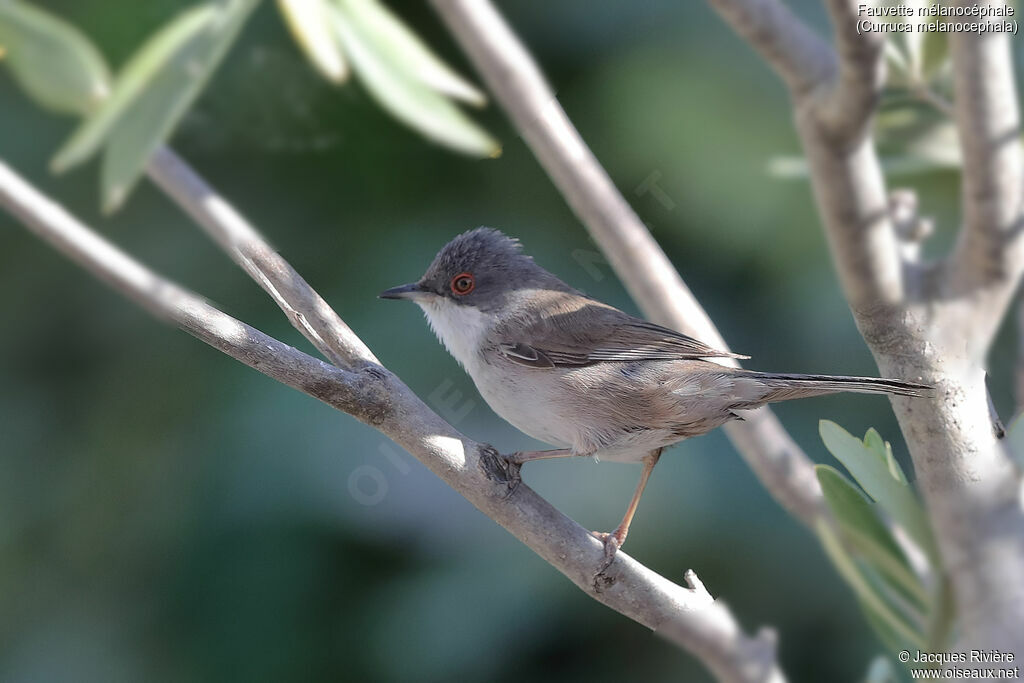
[502,469]
[612,542]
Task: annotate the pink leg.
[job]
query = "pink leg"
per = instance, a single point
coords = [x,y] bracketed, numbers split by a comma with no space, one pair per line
[614,540]
[526,456]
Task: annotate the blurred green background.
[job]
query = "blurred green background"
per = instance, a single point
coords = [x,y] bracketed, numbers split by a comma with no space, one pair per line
[169,515]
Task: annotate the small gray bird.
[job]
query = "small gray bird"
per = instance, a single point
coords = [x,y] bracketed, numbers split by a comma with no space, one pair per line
[582,375]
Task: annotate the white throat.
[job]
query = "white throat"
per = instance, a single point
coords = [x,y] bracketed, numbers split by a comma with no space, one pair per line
[461,329]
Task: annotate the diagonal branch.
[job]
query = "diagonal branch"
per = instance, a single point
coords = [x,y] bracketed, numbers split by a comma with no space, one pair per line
[687,616]
[518,85]
[799,56]
[307,311]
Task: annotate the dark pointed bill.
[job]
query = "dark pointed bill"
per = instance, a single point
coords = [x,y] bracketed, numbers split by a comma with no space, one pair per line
[411,291]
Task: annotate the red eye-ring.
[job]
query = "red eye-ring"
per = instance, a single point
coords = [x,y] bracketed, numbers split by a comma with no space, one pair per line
[463,284]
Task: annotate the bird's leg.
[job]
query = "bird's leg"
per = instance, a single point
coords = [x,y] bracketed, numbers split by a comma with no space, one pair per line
[526,456]
[614,540]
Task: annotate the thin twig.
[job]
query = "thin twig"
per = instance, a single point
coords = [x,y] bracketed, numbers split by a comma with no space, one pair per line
[306,310]
[688,616]
[518,85]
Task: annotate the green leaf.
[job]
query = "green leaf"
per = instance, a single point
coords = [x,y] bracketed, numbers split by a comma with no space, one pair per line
[309,22]
[132,83]
[874,441]
[853,509]
[872,473]
[52,60]
[893,628]
[405,96]
[152,93]
[391,36]
[172,87]
[866,534]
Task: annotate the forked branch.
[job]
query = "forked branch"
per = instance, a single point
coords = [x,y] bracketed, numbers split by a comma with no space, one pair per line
[364,389]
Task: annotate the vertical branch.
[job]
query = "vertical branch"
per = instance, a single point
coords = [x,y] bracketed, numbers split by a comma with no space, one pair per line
[1019,386]
[989,257]
[937,326]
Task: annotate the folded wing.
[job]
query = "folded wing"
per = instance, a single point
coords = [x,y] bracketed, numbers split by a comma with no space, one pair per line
[579,332]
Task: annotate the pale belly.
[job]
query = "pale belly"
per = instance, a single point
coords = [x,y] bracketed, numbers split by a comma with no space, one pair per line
[535,402]
[531,406]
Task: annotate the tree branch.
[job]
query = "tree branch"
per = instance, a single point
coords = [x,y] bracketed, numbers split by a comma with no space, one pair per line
[307,311]
[688,616]
[518,85]
[990,252]
[855,90]
[797,54]
[940,332]
[832,120]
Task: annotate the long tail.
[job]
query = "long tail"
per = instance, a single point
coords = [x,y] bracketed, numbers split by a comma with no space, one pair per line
[782,387]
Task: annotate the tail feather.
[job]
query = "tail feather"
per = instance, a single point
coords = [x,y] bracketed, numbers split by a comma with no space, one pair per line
[783,387]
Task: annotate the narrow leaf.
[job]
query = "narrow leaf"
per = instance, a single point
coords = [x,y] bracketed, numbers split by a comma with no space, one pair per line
[131,83]
[389,34]
[853,509]
[309,23]
[405,97]
[866,533]
[876,608]
[874,441]
[171,85]
[872,473]
[52,60]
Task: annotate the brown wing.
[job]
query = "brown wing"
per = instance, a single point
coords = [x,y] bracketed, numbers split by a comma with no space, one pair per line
[576,331]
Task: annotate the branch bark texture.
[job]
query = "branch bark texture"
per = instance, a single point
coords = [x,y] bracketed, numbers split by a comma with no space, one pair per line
[932,322]
[361,387]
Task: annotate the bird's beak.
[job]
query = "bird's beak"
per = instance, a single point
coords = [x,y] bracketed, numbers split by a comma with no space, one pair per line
[413,292]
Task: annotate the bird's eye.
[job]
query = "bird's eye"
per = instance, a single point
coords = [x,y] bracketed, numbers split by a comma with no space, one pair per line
[463,284]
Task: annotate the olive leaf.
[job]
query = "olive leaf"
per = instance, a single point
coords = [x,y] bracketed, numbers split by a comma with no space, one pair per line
[152,93]
[872,471]
[382,69]
[51,60]
[395,39]
[309,22]
[868,536]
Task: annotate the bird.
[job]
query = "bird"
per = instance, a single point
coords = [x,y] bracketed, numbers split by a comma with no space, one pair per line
[584,376]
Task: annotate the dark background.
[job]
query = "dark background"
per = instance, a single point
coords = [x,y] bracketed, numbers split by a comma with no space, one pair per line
[167,514]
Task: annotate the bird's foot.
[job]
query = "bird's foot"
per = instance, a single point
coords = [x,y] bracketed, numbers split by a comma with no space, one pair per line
[502,469]
[612,542]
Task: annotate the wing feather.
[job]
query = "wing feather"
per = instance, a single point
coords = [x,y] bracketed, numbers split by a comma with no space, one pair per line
[576,331]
